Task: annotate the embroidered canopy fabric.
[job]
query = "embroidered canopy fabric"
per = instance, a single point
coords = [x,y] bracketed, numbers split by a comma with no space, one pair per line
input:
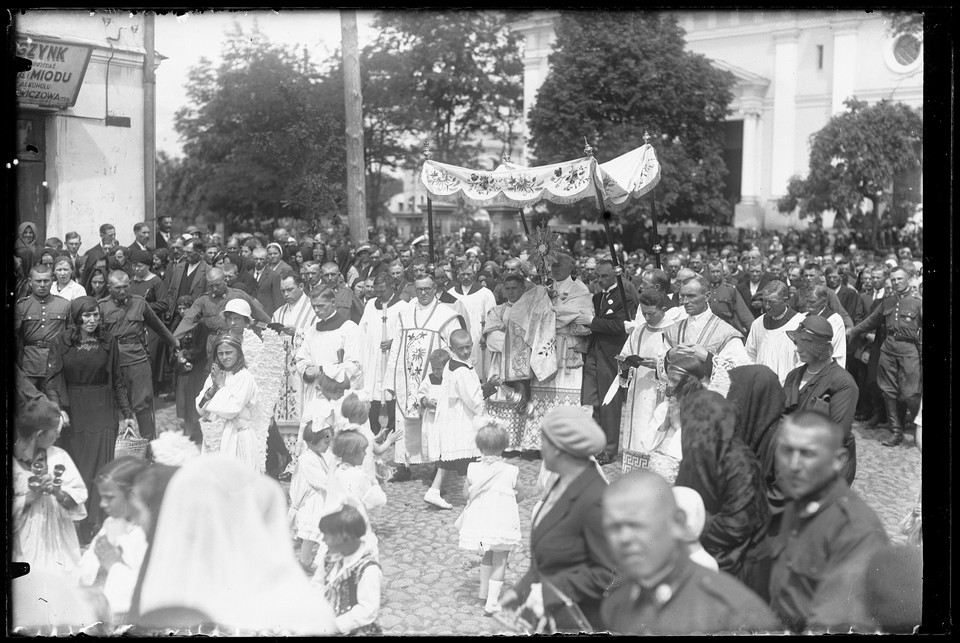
[628,176]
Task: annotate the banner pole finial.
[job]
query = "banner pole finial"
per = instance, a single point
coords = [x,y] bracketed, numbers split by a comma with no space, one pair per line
[426,149]
[646,137]
[586,147]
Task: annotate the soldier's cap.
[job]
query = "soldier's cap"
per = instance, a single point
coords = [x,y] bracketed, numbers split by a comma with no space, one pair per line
[813,328]
[238,306]
[141,256]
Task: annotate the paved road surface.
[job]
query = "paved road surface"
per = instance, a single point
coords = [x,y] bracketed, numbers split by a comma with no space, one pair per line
[430,585]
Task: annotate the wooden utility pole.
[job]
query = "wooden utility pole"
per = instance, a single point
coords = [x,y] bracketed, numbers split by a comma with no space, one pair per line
[353,102]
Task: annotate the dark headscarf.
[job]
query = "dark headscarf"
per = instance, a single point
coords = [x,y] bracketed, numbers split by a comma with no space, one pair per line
[725,472]
[27,251]
[80,305]
[756,393]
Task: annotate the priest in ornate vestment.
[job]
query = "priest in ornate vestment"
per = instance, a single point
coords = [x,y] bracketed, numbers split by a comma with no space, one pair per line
[521,337]
[291,321]
[423,326]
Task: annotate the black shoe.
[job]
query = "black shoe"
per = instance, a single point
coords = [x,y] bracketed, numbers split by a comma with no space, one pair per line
[894,440]
[402,474]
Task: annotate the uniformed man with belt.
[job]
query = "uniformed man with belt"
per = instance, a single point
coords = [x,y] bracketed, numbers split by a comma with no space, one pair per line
[826,534]
[664,592]
[898,371]
[39,318]
[125,316]
[726,302]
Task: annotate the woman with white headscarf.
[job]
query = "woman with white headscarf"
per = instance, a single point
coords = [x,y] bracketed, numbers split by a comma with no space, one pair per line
[221,557]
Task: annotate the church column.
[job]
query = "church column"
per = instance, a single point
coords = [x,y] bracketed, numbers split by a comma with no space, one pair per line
[784,111]
[749,185]
[844,64]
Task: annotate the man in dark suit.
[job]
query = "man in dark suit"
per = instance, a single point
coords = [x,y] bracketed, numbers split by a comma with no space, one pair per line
[600,364]
[188,277]
[568,550]
[108,235]
[268,282]
[164,225]
[751,287]
[141,232]
[849,298]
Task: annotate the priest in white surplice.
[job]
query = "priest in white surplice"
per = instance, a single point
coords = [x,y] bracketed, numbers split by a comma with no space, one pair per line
[476,302]
[378,328]
[291,321]
[423,326]
[330,348]
[768,343]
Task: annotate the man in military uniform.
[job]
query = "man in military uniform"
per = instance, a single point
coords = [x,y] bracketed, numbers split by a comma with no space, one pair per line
[898,372]
[664,592]
[346,301]
[826,533]
[38,320]
[124,317]
[725,300]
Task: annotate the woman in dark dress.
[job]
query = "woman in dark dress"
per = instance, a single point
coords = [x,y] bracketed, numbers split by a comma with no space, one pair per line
[95,282]
[83,379]
[725,472]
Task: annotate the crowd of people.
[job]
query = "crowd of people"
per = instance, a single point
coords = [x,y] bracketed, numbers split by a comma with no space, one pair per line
[725,385]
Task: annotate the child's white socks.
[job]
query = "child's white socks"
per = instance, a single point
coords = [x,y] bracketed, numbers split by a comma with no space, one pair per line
[493,597]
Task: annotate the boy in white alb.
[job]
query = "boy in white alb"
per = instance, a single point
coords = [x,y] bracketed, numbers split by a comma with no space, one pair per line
[459,400]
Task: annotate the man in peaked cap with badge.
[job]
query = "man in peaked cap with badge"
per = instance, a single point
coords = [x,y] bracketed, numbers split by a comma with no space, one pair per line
[826,536]
[899,369]
[666,593]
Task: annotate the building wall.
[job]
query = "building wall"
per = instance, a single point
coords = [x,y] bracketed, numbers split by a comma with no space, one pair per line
[95,172]
[781,86]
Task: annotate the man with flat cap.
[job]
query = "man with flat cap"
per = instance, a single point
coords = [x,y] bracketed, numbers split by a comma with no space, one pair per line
[666,593]
[570,557]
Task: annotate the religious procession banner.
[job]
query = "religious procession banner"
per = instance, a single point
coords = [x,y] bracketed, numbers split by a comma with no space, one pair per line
[626,177]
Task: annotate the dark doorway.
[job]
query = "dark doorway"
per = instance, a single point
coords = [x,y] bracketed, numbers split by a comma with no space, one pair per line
[31,172]
[733,158]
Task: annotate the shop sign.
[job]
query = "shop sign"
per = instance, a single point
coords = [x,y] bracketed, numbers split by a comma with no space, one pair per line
[57,72]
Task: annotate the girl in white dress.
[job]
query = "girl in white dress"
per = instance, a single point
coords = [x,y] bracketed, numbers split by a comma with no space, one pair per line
[491,520]
[308,489]
[48,492]
[228,399]
[112,562]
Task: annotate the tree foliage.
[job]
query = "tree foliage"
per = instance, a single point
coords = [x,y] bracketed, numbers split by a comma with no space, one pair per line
[444,76]
[616,75]
[858,155]
[905,23]
[254,128]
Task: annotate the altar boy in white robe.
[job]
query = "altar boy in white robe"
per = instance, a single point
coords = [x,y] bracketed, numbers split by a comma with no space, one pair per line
[459,402]
[378,327]
[476,301]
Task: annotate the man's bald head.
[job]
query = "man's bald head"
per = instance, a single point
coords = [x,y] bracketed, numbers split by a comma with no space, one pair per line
[644,526]
[214,274]
[685,273]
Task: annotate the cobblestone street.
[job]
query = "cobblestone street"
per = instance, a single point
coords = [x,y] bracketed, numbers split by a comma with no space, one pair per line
[430,585]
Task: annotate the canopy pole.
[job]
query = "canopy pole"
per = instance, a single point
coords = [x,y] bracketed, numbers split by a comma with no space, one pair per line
[426,155]
[523,220]
[653,211]
[606,216]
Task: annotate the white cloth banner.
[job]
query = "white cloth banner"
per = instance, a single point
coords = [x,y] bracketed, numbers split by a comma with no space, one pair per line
[628,176]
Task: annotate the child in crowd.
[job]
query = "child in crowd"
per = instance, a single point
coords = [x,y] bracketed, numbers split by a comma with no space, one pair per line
[48,492]
[324,409]
[349,481]
[351,571]
[491,520]
[459,400]
[308,489]
[427,395]
[356,413]
[690,502]
[112,562]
